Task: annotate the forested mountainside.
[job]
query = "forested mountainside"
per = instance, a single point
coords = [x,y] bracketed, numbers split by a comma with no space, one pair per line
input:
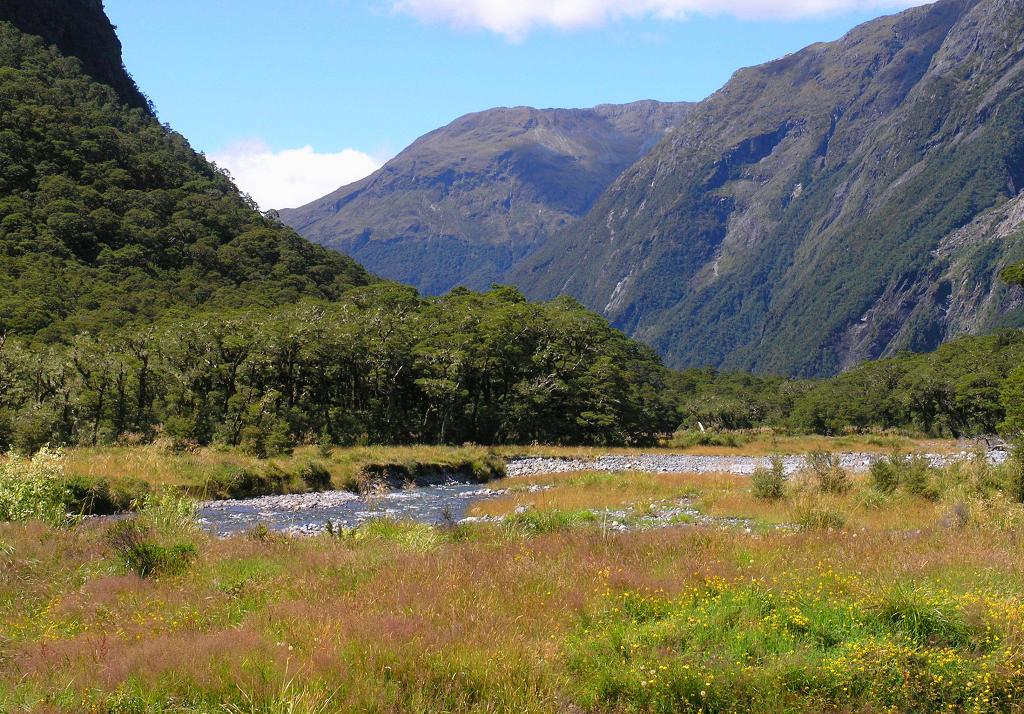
[79,28]
[842,203]
[107,217]
[141,294]
[465,202]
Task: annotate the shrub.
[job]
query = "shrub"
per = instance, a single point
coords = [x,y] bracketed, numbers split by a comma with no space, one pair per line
[815,514]
[34,488]
[918,478]
[315,477]
[769,483]
[926,618]
[534,522]
[914,474]
[690,439]
[828,474]
[885,476]
[169,512]
[132,543]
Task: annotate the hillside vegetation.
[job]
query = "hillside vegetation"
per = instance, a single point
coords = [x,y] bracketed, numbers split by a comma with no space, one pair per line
[466,201]
[108,218]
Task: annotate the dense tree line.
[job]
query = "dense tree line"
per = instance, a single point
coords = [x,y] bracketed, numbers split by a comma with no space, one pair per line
[381,365]
[972,386]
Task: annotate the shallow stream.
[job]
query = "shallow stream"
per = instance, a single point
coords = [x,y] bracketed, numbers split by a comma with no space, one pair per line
[310,513]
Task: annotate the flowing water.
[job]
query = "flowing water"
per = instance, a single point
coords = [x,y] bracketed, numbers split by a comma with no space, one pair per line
[310,513]
[449,502]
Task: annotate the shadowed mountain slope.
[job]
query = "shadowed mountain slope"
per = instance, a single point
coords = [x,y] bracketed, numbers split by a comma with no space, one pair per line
[79,28]
[842,203]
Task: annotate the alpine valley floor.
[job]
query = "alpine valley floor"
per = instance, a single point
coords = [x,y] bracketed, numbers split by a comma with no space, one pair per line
[896,589]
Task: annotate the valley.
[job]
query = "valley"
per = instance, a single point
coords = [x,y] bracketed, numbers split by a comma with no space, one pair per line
[650,407]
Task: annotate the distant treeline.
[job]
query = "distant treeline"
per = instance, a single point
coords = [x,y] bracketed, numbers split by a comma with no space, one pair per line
[382,365]
[970,387]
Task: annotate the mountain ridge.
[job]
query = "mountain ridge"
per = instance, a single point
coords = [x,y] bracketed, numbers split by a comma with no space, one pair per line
[791,220]
[465,201]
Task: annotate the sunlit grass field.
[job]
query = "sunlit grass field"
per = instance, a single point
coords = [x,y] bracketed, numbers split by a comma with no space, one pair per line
[896,602]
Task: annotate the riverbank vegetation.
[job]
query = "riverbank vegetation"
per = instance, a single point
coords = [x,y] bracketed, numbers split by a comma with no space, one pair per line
[109,480]
[106,480]
[384,366]
[892,597]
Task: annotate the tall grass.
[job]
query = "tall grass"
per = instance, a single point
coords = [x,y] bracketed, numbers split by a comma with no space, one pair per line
[899,610]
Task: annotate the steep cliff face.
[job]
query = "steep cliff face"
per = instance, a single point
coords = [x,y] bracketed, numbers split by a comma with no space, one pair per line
[79,28]
[844,202]
[461,204]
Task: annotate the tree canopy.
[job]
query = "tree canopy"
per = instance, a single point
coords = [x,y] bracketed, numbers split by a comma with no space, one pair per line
[108,217]
[380,365]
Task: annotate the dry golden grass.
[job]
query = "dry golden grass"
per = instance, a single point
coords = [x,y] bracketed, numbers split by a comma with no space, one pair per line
[723,495]
[592,490]
[156,465]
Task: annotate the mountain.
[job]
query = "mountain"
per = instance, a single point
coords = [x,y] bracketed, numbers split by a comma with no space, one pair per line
[81,29]
[106,216]
[463,203]
[843,203]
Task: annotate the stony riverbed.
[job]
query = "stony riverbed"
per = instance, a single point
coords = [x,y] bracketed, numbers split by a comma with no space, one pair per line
[449,502]
[677,463]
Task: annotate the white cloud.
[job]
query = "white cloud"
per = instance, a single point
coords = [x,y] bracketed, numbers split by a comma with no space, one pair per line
[516,18]
[292,177]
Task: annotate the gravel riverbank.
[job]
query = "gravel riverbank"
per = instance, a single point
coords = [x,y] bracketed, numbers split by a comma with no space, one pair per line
[450,500]
[679,463]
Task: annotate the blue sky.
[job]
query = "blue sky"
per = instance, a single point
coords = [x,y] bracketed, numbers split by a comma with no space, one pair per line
[299,98]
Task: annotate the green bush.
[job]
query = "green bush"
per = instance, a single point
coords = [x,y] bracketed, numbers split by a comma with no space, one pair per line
[769,483]
[534,522]
[690,439]
[885,476]
[816,515]
[914,474]
[918,478]
[828,474]
[140,554]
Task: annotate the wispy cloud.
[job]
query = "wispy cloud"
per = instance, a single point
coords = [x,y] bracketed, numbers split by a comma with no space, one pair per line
[292,177]
[517,18]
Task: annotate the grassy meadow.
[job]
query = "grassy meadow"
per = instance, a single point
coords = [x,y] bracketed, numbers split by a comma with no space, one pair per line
[897,590]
